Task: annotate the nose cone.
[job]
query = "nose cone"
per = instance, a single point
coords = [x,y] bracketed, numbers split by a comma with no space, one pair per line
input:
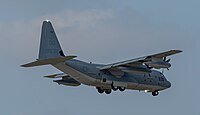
[168,84]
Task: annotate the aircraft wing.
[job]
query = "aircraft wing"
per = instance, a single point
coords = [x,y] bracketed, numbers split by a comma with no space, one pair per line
[139,62]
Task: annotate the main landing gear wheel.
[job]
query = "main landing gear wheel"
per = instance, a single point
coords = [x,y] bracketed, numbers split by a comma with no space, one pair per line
[100,90]
[108,91]
[121,88]
[155,93]
[114,88]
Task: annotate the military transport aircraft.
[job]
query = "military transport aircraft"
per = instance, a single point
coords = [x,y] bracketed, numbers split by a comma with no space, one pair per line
[135,74]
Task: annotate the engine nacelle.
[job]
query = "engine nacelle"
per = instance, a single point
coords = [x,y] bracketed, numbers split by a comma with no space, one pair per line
[158,64]
[138,70]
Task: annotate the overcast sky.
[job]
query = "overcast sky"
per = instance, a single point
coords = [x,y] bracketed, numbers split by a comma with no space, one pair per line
[100,31]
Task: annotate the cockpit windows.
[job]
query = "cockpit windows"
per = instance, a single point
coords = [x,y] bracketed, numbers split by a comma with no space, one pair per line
[161,79]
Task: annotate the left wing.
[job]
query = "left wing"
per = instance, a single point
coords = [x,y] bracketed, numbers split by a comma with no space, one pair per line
[143,64]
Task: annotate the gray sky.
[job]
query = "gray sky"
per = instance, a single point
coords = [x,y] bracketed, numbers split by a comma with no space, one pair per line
[101,31]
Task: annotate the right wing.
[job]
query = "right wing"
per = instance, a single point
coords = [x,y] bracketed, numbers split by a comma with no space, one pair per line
[139,61]
[141,64]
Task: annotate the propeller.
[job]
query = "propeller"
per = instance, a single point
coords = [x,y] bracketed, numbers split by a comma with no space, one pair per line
[163,70]
[148,66]
[166,60]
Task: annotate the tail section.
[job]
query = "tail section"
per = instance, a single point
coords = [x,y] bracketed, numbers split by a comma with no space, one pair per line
[50,51]
[49,44]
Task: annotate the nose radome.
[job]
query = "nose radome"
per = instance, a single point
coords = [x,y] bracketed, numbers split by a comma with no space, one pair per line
[168,84]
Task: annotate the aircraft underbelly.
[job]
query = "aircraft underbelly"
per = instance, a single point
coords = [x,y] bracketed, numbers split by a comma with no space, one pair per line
[80,77]
[148,87]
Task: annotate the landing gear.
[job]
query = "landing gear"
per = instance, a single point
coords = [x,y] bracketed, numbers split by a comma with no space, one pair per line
[114,88]
[121,88]
[108,91]
[155,93]
[100,90]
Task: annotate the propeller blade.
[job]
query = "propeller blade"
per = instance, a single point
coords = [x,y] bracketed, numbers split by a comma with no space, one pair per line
[164,58]
[148,66]
[168,60]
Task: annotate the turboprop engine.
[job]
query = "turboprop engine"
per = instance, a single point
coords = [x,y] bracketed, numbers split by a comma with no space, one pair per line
[159,63]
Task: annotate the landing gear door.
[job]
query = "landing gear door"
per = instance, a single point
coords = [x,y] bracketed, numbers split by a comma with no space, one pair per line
[119,84]
[104,80]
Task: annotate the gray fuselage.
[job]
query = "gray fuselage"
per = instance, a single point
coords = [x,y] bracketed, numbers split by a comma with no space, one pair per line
[90,74]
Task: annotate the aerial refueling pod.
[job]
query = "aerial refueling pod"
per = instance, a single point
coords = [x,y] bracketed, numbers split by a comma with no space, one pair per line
[66,79]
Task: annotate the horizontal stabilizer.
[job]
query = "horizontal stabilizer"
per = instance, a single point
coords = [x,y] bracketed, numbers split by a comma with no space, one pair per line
[48,61]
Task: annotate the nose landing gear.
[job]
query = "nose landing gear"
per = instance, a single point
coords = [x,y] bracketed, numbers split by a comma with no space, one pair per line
[155,93]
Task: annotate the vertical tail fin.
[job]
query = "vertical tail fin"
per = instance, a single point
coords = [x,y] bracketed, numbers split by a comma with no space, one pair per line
[50,50]
[49,44]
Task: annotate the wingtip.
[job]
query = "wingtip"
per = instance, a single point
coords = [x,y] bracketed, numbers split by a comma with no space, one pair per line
[75,56]
[22,65]
[25,65]
[178,51]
